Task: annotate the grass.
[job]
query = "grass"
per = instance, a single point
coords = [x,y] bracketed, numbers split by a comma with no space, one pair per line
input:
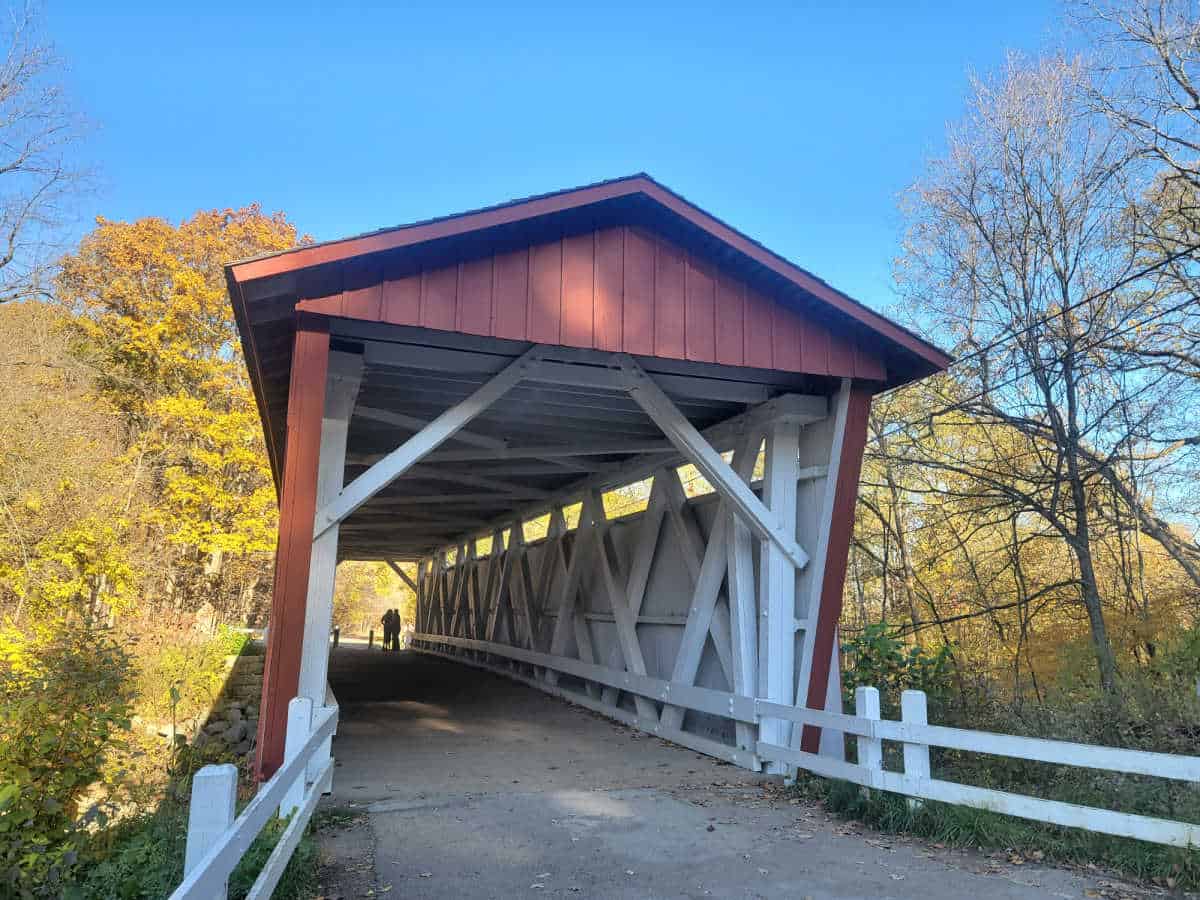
[958,826]
[142,859]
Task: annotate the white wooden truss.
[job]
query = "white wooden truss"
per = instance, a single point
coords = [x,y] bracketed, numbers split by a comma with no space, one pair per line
[671,618]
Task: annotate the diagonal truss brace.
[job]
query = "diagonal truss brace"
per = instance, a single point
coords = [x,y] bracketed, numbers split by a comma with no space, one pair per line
[404,457]
[680,432]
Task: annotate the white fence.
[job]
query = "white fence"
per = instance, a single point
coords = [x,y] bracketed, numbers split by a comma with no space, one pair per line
[216,841]
[912,731]
[917,736]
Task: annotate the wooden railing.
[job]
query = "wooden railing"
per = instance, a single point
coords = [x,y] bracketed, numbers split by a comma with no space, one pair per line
[217,841]
[912,731]
[917,781]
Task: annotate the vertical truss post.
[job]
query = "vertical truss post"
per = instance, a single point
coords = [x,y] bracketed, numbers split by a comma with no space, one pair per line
[345,375]
[777,582]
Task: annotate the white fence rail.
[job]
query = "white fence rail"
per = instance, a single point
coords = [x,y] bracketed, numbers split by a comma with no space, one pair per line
[916,781]
[216,841]
[912,731]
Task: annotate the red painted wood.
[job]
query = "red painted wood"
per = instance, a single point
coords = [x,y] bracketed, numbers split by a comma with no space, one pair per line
[730,318]
[305,258]
[362,289]
[637,311]
[618,289]
[758,330]
[578,279]
[402,300]
[510,295]
[439,294]
[297,511]
[669,301]
[545,293]
[475,297]
[841,528]
[700,325]
[841,355]
[610,273]
[788,336]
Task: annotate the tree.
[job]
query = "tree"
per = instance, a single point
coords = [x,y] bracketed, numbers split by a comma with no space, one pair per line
[38,134]
[148,309]
[1018,245]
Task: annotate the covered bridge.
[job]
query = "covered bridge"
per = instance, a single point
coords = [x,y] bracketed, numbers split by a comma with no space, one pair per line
[468,392]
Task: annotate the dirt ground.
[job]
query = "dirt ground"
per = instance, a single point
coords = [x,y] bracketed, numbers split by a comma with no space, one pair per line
[453,783]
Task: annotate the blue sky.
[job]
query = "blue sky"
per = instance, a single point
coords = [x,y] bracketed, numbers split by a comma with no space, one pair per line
[797,123]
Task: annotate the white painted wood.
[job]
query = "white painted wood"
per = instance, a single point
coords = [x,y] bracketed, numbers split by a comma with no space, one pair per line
[685,739]
[645,547]
[870,749]
[568,595]
[212,811]
[299,724]
[717,703]
[551,451]
[276,864]
[624,618]
[702,620]
[394,566]
[212,871]
[816,573]
[680,432]
[916,756]
[777,581]
[341,393]
[396,463]
[1145,828]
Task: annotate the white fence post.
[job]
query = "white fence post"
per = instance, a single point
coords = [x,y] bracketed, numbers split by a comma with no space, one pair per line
[299,727]
[913,711]
[214,802]
[870,749]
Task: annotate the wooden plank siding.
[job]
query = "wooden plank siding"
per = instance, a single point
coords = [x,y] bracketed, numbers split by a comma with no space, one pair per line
[618,289]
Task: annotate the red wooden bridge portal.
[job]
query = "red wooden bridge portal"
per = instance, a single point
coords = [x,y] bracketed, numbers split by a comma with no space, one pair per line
[429,390]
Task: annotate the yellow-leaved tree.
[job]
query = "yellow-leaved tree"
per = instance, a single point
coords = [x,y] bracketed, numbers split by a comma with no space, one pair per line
[151,317]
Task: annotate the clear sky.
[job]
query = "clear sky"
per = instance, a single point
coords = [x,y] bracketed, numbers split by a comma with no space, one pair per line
[797,123]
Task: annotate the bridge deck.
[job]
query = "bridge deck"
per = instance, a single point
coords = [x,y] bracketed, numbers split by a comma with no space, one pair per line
[478,787]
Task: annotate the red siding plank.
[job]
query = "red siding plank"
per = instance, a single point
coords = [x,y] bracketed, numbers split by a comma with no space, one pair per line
[439,293]
[730,318]
[578,278]
[841,355]
[759,349]
[867,364]
[637,306]
[669,301]
[510,291]
[475,296]
[362,292]
[700,312]
[545,293]
[607,301]
[402,300]
[816,347]
[788,334]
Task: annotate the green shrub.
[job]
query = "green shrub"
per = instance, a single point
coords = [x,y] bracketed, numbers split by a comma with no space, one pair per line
[881,659]
[142,859]
[65,698]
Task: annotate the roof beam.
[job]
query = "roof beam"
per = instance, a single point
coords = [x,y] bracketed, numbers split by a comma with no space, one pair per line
[404,457]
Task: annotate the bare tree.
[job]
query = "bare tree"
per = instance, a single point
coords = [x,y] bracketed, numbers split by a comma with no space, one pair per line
[1018,245]
[38,131]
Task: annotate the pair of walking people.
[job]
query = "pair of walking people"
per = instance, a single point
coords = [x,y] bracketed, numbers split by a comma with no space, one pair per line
[391,629]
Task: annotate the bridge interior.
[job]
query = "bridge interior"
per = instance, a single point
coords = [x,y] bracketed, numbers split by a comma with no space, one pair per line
[476,786]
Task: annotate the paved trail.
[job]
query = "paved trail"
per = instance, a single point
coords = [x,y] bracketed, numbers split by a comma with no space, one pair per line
[477,787]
